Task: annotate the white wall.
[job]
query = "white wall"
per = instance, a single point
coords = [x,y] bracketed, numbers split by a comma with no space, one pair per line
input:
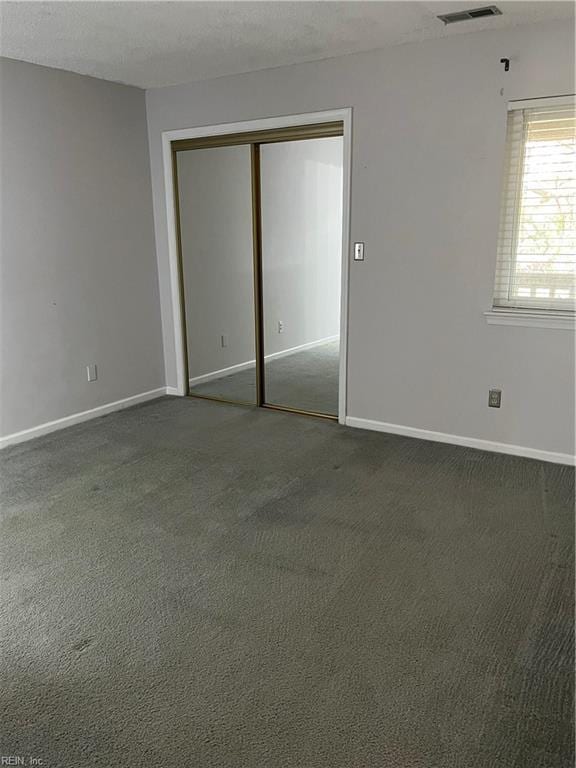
[79,279]
[428,146]
[301,191]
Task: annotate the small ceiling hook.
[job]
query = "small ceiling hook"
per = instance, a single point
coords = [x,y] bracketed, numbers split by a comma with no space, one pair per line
[506,63]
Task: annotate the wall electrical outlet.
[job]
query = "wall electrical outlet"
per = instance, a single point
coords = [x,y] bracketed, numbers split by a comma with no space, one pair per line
[92,372]
[224,340]
[280,326]
[494,398]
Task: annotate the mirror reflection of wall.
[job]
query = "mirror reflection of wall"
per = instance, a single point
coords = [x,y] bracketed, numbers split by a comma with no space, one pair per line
[301,205]
[214,188]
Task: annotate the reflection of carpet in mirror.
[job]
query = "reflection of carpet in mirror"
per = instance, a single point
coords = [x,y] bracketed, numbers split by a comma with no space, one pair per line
[307,380]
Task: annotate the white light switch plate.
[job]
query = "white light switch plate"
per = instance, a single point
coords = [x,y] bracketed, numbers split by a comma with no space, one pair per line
[92,372]
[358,251]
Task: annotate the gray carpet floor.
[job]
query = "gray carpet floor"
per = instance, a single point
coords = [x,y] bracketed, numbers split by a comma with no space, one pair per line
[307,380]
[195,584]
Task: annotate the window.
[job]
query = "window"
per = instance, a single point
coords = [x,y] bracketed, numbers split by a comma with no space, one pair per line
[536,265]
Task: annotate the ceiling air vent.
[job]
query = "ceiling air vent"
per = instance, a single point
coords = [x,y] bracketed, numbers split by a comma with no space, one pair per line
[474,13]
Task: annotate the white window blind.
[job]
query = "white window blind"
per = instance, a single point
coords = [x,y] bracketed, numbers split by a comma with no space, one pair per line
[536,264]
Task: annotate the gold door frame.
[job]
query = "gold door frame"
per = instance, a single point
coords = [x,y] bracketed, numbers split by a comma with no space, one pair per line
[254,139]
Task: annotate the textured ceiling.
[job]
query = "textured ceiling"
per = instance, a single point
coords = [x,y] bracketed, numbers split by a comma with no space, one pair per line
[152,44]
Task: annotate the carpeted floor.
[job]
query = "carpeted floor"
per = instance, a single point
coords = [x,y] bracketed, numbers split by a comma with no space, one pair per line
[195,584]
[307,380]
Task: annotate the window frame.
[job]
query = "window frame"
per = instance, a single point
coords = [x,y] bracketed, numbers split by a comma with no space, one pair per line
[526,315]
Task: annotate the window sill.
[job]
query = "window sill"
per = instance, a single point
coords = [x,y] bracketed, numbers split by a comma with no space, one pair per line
[537,318]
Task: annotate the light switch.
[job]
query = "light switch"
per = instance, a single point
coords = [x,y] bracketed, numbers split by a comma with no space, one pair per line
[358,251]
[92,372]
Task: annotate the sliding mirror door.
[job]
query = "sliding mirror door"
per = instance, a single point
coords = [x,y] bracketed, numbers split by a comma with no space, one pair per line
[216,246]
[301,251]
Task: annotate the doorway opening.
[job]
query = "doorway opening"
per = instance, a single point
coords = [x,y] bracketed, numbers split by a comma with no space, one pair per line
[259,225]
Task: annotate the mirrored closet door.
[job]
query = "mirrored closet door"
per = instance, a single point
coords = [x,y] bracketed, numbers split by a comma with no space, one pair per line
[259,229]
[217,265]
[301,251]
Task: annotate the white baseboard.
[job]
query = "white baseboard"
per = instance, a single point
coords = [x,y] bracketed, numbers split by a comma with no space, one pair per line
[469,442]
[250,363]
[351,421]
[78,418]
[301,347]
[222,372]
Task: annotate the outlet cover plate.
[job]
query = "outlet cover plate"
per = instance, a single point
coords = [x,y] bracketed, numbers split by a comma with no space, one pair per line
[494,398]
